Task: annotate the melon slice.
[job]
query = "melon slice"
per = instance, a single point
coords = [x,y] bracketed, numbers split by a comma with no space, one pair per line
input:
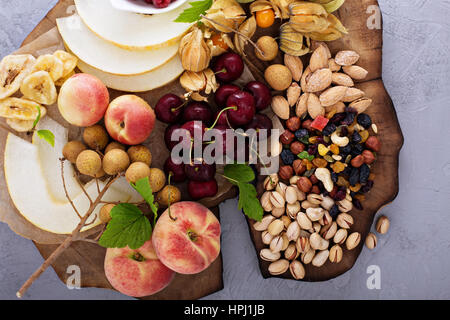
[28,188]
[137,83]
[132,30]
[107,57]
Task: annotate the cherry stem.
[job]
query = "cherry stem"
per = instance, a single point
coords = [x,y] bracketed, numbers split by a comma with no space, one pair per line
[221,71]
[235,31]
[220,113]
[179,107]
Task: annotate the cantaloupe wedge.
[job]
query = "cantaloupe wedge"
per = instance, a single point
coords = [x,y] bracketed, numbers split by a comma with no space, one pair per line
[138,83]
[107,57]
[28,185]
[132,30]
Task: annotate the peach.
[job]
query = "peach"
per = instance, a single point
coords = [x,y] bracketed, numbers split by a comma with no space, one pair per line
[129,119]
[136,273]
[187,240]
[83,100]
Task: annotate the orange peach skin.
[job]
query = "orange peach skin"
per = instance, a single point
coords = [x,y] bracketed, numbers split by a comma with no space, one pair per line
[130,276]
[83,100]
[189,244]
[129,119]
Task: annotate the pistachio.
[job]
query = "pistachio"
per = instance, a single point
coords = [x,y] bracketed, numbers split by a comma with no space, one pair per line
[293,231]
[291,195]
[315,214]
[286,221]
[278,267]
[316,227]
[302,244]
[276,245]
[336,254]
[361,105]
[371,241]
[293,209]
[324,175]
[270,182]
[275,227]
[308,256]
[356,72]
[303,221]
[326,219]
[344,220]
[383,224]
[297,270]
[293,180]
[346,58]
[281,189]
[314,198]
[280,107]
[277,199]
[306,205]
[265,202]
[266,237]
[295,65]
[332,95]
[291,252]
[293,93]
[329,231]
[327,203]
[264,223]
[340,236]
[345,205]
[317,242]
[278,212]
[353,240]
[320,258]
[268,255]
[300,194]
[285,242]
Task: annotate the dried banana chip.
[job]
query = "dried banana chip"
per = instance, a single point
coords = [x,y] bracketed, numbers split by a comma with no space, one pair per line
[51,64]
[69,62]
[39,87]
[19,108]
[13,69]
[24,125]
[61,81]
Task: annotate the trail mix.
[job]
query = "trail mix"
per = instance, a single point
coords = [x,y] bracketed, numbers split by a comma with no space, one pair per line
[328,148]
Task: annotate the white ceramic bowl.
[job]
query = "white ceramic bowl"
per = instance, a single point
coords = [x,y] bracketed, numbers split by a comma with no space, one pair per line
[140,6]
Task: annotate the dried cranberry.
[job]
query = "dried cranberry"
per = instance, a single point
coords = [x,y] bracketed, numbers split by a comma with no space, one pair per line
[364,120]
[287,157]
[312,149]
[340,195]
[357,204]
[364,173]
[354,176]
[356,137]
[338,117]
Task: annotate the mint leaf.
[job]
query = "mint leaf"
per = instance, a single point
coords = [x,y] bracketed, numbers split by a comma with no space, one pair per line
[48,136]
[37,118]
[193,13]
[248,201]
[128,227]
[239,173]
[143,187]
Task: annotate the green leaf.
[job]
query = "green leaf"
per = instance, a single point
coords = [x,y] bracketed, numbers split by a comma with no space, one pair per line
[128,227]
[239,173]
[143,187]
[305,155]
[37,118]
[48,136]
[248,201]
[193,13]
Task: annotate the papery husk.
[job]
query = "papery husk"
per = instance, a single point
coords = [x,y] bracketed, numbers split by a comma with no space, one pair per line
[260,5]
[199,81]
[284,7]
[248,28]
[228,14]
[335,31]
[211,82]
[218,50]
[308,17]
[331,5]
[194,52]
[293,42]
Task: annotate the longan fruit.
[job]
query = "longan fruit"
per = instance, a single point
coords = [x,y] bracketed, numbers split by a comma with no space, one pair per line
[157,179]
[100,174]
[115,161]
[96,137]
[89,162]
[279,77]
[105,212]
[140,153]
[268,46]
[168,191]
[137,171]
[114,145]
[72,149]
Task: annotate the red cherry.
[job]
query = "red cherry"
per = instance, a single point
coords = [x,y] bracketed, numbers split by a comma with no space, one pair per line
[200,189]
[200,111]
[261,93]
[260,121]
[168,134]
[194,128]
[245,104]
[169,108]
[222,121]
[200,172]
[223,93]
[228,67]
[177,170]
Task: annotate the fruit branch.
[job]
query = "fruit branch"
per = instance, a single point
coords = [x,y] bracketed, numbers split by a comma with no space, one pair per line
[65,189]
[75,236]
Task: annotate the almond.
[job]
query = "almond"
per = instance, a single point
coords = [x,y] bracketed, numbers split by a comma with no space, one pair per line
[316,44]
[332,95]
[346,58]
[302,105]
[293,93]
[295,65]
[333,66]
[319,59]
[280,107]
[356,72]
[305,77]
[319,80]
[353,94]
[315,108]
[341,79]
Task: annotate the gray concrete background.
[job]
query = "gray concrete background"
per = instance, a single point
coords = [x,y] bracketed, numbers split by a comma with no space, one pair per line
[413,257]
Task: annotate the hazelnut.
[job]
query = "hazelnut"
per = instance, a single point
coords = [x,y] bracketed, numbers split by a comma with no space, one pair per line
[287,137]
[293,123]
[315,189]
[286,172]
[314,179]
[304,184]
[297,147]
[368,156]
[299,167]
[373,144]
[358,161]
[307,124]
